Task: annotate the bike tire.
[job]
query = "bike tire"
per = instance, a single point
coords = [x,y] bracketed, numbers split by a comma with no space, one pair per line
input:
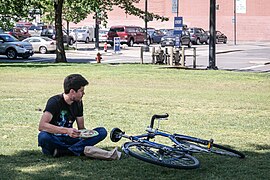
[152,154]
[196,145]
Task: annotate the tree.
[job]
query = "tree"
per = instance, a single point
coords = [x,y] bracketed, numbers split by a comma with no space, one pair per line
[12,11]
[84,7]
[70,10]
[60,50]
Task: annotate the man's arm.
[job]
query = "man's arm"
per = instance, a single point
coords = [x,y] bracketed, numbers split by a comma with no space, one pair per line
[80,122]
[44,125]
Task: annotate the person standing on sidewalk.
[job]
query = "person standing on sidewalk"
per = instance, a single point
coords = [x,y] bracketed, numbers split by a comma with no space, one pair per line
[57,135]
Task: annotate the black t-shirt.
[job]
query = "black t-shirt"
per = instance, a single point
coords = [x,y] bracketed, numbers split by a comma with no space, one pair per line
[63,114]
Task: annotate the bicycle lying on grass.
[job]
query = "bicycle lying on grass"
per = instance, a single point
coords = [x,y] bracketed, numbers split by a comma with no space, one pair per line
[179,155]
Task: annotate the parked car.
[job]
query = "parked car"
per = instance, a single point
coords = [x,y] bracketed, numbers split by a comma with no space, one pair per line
[128,35]
[155,35]
[169,39]
[22,24]
[103,35]
[50,33]
[164,31]
[220,37]
[12,47]
[42,44]
[19,33]
[73,34]
[35,30]
[83,35]
[198,35]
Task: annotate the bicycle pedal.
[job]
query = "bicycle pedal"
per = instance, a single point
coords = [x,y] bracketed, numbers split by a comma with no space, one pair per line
[210,143]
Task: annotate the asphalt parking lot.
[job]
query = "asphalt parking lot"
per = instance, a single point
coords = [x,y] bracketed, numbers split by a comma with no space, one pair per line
[244,56]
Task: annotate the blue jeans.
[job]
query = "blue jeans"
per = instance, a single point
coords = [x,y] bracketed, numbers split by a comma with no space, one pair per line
[49,142]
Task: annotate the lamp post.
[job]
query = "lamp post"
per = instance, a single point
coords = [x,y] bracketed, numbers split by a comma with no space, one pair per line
[146,47]
[212,42]
[177,12]
[97,21]
[234,21]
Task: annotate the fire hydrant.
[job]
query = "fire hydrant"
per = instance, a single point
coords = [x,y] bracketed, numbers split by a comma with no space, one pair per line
[105,47]
[98,58]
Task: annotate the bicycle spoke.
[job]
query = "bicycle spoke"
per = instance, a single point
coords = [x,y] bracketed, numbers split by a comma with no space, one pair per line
[161,156]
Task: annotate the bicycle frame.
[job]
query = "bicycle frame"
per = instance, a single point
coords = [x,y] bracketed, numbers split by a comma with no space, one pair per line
[154,132]
[184,143]
[147,136]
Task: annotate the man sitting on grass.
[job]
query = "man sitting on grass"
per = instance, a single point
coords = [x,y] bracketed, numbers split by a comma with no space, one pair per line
[57,136]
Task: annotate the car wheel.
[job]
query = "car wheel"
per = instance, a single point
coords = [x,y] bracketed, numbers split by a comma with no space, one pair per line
[87,40]
[225,41]
[131,43]
[71,42]
[189,44]
[149,42]
[11,54]
[198,41]
[43,50]
[207,41]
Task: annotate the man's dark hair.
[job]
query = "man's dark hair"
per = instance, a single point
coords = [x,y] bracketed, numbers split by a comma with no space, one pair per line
[75,82]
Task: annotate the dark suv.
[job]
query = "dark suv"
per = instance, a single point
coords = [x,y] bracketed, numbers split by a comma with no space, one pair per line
[128,35]
[198,35]
[169,39]
[50,33]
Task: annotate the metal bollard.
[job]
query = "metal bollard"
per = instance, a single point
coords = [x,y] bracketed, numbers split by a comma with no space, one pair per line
[176,57]
[183,57]
[171,56]
[141,54]
[194,57]
[153,55]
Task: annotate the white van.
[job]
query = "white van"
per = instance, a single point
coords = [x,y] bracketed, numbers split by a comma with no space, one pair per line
[84,34]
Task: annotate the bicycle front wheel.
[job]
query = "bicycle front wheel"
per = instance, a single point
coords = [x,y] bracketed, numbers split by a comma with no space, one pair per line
[167,157]
[196,145]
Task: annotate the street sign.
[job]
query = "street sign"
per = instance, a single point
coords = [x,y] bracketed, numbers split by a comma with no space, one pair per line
[116,45]
[174,6]
[177,41]
[178,25]
[241,6]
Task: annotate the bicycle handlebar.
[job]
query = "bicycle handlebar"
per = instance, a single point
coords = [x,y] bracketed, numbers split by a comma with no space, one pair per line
[156,116]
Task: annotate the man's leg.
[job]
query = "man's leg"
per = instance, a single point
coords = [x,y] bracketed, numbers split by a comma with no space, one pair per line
[49,142]
[78,148]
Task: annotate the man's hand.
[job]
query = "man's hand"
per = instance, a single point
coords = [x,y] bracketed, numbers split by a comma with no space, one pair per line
[72,132]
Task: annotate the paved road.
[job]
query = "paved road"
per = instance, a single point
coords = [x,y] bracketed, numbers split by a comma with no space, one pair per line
[249,56]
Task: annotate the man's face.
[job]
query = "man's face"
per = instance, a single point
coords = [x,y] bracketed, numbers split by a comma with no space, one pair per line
[77,96]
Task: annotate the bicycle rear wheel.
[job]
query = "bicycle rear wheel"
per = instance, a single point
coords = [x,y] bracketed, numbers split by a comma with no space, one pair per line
[195,145]
[161,156]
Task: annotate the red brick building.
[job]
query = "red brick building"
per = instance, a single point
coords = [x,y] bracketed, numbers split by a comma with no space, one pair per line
[252,17]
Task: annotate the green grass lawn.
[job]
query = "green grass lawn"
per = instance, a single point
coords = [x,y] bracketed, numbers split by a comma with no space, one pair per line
[233,108]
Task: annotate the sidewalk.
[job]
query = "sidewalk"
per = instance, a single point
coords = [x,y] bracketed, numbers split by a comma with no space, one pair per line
[242,56]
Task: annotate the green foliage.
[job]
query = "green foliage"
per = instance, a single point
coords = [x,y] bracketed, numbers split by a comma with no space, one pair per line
[11,11]
[77,10]
[72,11]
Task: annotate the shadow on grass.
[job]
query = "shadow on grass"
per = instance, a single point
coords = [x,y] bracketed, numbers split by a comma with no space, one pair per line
[33,65]
[34,165]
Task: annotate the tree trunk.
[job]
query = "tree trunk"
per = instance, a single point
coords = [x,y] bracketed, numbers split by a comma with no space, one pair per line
[60,50]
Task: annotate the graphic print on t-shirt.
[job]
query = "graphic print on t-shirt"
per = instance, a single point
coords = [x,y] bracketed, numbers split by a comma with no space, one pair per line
[65,119]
